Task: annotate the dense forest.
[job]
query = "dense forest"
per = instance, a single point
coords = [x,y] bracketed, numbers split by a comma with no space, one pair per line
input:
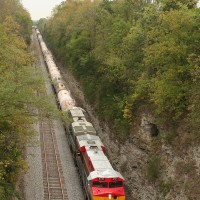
[19,82]
[132,55]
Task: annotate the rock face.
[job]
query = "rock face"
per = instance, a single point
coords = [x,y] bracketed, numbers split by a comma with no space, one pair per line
[147,127]
[131,157]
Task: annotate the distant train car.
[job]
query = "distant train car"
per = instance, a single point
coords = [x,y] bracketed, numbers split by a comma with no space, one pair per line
[37,32]
[44,48]
[65,100]
[51,64]
[58,86]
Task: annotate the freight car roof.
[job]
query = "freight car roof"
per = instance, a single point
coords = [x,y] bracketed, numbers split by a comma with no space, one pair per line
[89,141]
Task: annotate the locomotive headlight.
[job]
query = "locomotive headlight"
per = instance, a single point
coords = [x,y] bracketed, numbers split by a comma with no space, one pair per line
[110,196]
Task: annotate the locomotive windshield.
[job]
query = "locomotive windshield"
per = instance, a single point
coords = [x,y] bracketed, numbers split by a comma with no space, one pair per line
[105,184]
[115,184]
[100,184]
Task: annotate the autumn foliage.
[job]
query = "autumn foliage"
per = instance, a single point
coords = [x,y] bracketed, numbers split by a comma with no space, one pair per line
[129,54]
[19,81]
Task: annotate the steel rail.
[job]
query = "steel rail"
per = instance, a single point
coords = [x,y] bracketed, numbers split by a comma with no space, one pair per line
[59,171]
[45,162]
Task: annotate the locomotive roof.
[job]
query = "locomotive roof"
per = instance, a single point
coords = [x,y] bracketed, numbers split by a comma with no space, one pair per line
[104,174]
[83,127]
[99,160]
[100,163]
[77,112]
[102,166]
[89,141]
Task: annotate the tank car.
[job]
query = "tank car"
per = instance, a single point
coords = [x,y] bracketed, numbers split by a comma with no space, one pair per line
[65,100]
[53,71]
[55,76]
[44,48]
[48,57]
[59,85]
[37,32]
[51,64]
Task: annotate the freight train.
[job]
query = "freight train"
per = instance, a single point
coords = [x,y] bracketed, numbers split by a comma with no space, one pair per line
[98,178]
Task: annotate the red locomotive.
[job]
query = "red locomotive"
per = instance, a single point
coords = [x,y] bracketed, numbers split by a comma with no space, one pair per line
[100,180]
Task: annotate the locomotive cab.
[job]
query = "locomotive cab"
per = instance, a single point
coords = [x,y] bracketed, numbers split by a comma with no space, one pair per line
[104,182]
[106,188]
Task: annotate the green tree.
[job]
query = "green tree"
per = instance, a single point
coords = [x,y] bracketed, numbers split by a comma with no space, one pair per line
[166,59]
[15,9]
[129,54]
[176,4]
[18,100]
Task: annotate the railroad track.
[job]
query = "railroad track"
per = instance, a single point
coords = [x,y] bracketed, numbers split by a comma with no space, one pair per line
[53,179]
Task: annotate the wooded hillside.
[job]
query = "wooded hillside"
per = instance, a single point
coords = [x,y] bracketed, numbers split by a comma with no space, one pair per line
[19,81]
[130,55]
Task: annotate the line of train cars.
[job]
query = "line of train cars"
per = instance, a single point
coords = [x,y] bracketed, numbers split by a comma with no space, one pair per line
[100,181]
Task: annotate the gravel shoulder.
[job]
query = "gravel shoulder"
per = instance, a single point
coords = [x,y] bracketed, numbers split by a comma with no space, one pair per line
[33,182]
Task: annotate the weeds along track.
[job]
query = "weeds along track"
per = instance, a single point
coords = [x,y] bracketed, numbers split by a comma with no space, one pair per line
[53,180]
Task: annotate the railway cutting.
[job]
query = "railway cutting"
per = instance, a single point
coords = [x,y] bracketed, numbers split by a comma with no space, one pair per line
[98,177]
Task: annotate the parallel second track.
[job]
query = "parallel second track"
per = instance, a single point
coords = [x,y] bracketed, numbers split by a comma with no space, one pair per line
[53,180]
